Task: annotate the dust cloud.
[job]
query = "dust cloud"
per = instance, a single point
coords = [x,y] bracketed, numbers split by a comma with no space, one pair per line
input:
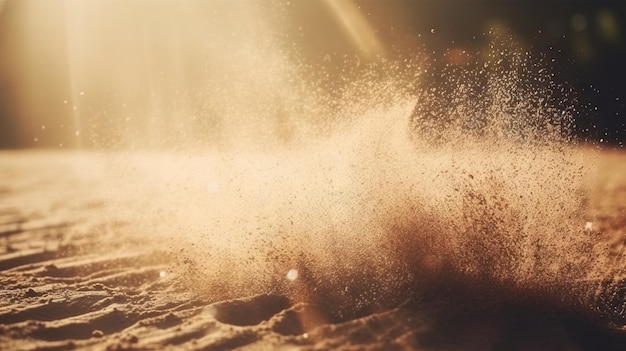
[358,187]
[386,208]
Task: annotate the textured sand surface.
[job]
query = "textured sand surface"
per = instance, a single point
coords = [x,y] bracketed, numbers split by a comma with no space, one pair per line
[75,273]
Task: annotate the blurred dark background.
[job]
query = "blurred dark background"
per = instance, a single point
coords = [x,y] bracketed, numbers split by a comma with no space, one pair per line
[584,40]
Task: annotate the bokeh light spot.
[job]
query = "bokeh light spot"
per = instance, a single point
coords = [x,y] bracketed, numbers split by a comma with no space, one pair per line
[578,22]
[292,274]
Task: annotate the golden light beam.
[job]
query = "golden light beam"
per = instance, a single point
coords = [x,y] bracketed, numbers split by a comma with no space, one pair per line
[72,31]
[357,27]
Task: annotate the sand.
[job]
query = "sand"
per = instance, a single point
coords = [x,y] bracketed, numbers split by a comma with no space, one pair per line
[262,203]
[77,273]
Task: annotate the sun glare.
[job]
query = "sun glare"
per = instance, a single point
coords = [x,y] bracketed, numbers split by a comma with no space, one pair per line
[355,24]
[161,74]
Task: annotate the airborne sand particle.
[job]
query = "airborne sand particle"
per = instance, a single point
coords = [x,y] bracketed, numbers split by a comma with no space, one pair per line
[417,204]
[374,180]
[389,205]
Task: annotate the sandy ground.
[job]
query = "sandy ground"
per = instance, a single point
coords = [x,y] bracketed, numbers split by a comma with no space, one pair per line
[75,274]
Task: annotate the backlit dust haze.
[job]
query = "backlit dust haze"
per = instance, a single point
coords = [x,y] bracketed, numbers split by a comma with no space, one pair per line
[356,181]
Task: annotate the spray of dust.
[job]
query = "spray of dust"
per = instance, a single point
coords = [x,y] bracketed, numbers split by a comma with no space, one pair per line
[363,188]
[388,206]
